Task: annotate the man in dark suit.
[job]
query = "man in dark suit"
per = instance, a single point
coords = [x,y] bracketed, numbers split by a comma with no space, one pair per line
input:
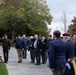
[37,48]
[57,59]
[6,47]
[69,46]
[43,48]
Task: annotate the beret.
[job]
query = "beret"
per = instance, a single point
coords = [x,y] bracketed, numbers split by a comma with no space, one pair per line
[50,35]
[66,34]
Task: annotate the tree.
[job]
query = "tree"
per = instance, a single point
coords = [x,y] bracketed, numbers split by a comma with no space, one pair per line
[29,17]
[72,27]
[64,21]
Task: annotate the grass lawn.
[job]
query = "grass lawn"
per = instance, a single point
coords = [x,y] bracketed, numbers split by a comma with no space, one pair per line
[3,69]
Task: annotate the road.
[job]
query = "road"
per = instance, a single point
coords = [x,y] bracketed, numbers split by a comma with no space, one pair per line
[24,68]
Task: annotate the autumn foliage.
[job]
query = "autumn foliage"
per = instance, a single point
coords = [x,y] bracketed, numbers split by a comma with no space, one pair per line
[72,27]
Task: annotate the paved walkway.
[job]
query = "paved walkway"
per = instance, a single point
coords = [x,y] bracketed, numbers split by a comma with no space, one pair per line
[24,68]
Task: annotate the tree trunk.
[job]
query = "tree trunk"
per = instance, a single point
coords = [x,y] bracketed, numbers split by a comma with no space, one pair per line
[13,35]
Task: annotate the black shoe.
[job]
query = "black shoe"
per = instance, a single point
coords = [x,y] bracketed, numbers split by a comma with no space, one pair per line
[37,64]
[5,62]
[43,63]
[19,61]
[32,62]
[24,58]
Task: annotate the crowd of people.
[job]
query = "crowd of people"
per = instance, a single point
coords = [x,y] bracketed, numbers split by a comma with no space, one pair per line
[55,49]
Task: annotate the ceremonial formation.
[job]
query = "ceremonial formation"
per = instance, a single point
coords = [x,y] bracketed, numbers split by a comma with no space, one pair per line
[59,52]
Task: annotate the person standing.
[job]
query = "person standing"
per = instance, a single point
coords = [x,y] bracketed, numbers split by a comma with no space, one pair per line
[37,48]
[25,45]
[6,47]
[49,38]
[43,48]
[31,49]
[19,46]
[57,59]
[69,46]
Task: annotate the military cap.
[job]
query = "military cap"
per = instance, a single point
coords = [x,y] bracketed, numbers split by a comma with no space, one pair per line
[50,35]
[66,34]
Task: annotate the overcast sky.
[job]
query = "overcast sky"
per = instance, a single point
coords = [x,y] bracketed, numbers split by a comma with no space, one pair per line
[56,9]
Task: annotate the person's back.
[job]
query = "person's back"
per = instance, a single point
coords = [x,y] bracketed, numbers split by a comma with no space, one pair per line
[57,59]
[59,53]
[70,49]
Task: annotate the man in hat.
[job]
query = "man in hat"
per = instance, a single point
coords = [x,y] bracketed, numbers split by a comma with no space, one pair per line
[69,46]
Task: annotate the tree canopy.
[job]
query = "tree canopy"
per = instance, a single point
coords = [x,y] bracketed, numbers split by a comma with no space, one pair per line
[25,17]
[72,27]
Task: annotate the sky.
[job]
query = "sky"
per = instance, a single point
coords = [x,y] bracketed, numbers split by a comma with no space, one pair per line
[57,7]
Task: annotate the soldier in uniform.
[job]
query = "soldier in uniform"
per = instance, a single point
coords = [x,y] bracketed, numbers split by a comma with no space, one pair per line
[57,59]
[69,46]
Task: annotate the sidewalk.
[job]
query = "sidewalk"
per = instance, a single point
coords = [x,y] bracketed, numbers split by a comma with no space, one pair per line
[24,68]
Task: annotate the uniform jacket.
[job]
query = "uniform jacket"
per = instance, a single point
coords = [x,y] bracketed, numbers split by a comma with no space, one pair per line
[57,54]
[70,49]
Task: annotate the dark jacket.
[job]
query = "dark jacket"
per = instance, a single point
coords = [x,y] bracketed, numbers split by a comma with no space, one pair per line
[75,48]
[30,45]
[25,43]
[48,44]
[43,45]
[57,54]
[5,43]
[38,44]
[70,49]
[18,43]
